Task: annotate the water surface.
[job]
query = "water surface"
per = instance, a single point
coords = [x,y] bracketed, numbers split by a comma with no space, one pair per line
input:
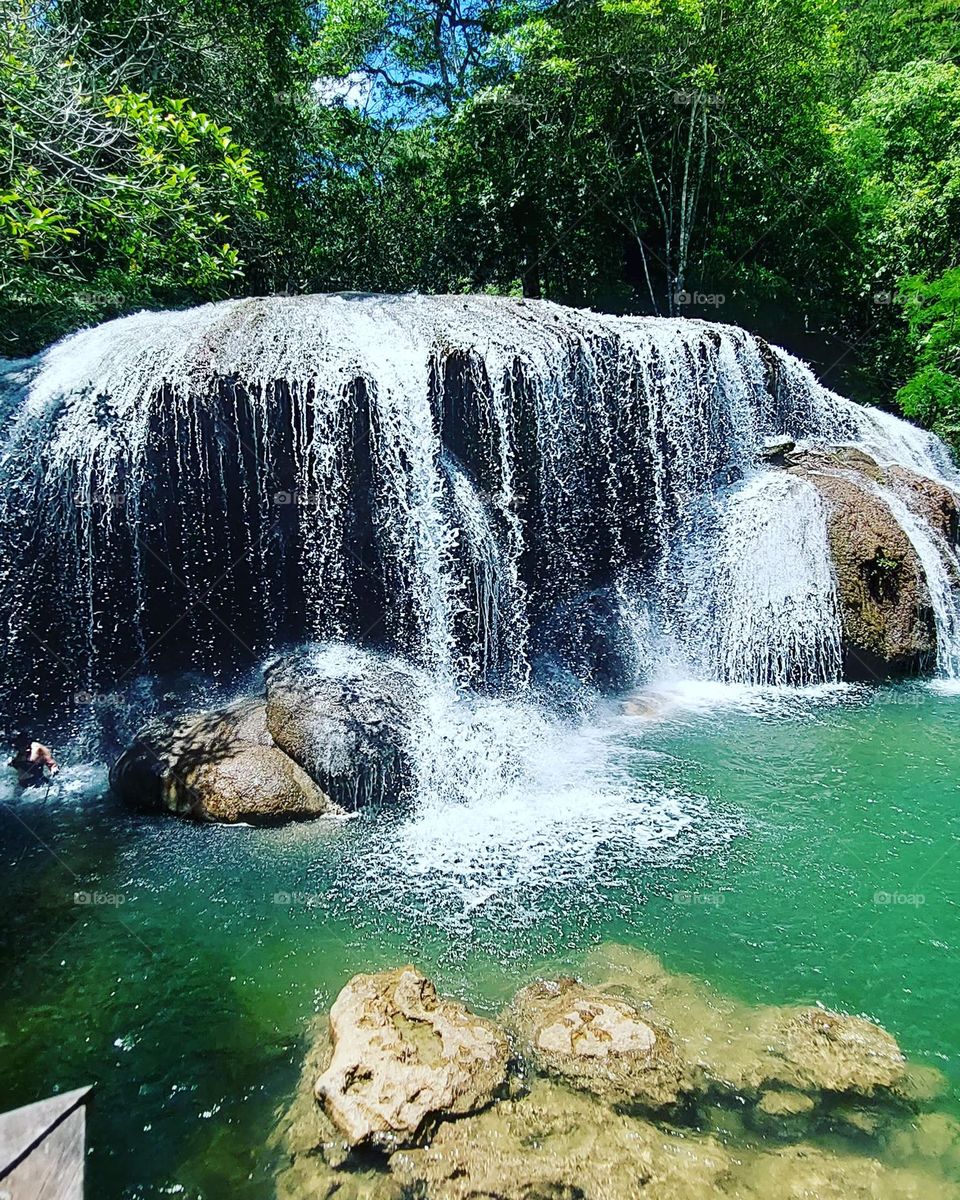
[788,847]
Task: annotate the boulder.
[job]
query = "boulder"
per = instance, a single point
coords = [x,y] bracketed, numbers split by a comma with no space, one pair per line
[775,449]
[746,1050]
[600,1043]
[400,1060]
[886,615]
[345,716]
[553,1144]
[403,1059]
[832,1052]
[217,766]
[315,1160]
[938,504]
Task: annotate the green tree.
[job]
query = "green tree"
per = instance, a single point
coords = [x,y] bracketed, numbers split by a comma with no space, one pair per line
[932,393]
[107,198]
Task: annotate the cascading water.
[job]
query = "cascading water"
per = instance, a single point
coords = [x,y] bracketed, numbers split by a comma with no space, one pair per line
[438,475]
[764,596]
[943,584]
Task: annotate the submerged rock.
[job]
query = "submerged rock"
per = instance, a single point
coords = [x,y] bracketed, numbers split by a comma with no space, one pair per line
[217,766]
[599,1043]
[836,1053]
[345,716]
[929,1137]
[403,1061]
[784,1112]
[808,1172]
[403,1058]
[744,1050]
[314,1148]
[554,1144]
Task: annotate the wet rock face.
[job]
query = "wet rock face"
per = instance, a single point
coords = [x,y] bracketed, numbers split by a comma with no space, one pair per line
[349,733]
[588,637]
[219,766]
[600,1043]
[938,505]
[775,449]
[888,624]
[404,1058]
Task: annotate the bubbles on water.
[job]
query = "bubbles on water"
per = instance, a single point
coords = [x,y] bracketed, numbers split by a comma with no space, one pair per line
[517,812]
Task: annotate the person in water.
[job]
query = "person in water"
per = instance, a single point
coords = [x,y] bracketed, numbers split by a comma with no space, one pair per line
[31,760]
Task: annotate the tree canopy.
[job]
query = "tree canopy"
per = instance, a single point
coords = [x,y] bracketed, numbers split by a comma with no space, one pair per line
[793,165]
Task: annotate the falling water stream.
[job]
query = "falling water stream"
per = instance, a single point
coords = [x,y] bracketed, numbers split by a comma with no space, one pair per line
[437,475]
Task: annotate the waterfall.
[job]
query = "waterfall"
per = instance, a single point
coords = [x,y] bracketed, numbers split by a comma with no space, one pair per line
[943,586]
[437,476]
[763,593]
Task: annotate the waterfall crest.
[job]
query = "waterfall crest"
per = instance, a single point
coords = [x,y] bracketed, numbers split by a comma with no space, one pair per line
[432,474]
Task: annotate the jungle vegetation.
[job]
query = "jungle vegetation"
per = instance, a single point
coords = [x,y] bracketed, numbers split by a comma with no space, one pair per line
[789,165]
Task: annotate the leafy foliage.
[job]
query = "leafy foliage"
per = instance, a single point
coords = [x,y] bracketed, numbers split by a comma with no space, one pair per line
[932,394]
[794,164]
[109,200]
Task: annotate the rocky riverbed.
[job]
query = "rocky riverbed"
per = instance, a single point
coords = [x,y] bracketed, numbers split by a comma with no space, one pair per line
[630,1082]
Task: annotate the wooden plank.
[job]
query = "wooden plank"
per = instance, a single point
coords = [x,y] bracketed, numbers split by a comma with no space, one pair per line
[42,1149]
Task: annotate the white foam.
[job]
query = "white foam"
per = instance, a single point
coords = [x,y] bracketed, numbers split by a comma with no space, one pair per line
[512,803]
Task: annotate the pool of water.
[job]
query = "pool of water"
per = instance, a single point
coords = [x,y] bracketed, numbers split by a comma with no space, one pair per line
[787,847]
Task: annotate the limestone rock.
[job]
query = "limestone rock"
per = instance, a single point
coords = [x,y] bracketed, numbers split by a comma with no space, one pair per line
[932,1137]
[217,766]
[856,1121]
[920,1084]
[887,619]
[554,1144]
[837,1053]
[315,1151]
[600,1043]
[935,502]
[784,1112]
[344,715]
[807,1172]
[403,1058]
[745,1050]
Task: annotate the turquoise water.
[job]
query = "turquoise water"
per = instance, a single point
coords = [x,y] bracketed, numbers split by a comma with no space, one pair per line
[787,847]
